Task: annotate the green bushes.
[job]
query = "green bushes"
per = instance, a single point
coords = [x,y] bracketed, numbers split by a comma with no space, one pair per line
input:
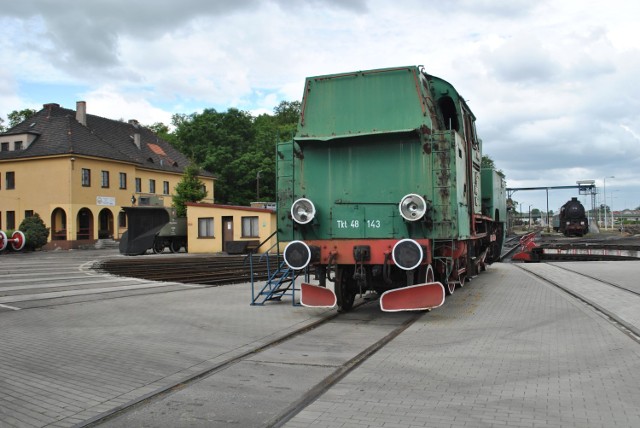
[35,232]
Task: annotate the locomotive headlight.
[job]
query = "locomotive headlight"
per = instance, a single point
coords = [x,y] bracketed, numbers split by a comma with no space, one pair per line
[412,207]
[407,254]
[303,211]
[297,255]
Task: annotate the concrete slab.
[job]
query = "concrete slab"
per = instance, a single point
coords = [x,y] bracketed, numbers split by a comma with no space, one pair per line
[507,350]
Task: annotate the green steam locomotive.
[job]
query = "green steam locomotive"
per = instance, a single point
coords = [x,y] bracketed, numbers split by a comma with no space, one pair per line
[382,189]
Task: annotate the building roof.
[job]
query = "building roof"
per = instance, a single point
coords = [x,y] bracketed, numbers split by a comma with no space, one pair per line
[230,207]
[58,132]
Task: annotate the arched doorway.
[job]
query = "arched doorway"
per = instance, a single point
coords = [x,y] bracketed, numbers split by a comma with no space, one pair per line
[105,224]
[58,225]
[85,224]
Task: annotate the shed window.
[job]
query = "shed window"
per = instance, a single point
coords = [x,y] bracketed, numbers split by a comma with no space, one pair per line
[205,227]
[250,227]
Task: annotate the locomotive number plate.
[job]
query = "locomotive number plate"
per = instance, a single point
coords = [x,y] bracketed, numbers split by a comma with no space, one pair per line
[356,224]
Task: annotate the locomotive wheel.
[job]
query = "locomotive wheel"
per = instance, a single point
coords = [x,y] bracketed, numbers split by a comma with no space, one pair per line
[430,276]
[345,288]
[174,246]
[158,246]
[444,278]
[425,275]
[461,278]
[449,287]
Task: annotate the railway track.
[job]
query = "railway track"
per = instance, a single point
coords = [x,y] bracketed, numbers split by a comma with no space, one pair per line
[612,284]
[511,244]
[361,337]
[543,248]
[616,302]
[206,270]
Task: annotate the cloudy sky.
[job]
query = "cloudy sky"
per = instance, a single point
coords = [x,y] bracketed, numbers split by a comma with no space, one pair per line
[553,84]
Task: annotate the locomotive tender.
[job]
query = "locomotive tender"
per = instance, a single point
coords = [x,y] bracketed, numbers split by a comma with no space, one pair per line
[573,219]
[382,189]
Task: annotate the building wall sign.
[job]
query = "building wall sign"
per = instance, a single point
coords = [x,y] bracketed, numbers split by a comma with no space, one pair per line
[106,201]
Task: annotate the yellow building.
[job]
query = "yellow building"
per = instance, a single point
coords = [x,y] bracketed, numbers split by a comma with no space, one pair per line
[213,228]
[77,170]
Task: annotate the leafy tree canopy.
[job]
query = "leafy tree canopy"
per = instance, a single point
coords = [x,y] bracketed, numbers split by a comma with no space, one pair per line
[189,189]
[237,147]
[15,117]
[18,116]
[487,162]
[162,131]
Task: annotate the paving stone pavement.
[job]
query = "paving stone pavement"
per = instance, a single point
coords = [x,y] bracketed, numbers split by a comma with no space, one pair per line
[65,363]
[505,351]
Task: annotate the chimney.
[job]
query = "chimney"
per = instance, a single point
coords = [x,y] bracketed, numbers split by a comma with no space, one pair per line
[81,112]
[136,135]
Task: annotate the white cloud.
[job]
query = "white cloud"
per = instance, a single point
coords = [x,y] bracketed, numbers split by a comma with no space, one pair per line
[105,102]
[552,84]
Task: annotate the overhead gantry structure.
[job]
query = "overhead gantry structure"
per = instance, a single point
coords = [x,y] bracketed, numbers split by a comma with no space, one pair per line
[585,187]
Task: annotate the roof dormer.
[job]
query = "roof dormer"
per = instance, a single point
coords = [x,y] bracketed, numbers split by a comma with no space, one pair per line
[16,142]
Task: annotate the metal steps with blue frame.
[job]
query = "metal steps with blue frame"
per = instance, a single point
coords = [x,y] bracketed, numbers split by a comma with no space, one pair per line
[281,280]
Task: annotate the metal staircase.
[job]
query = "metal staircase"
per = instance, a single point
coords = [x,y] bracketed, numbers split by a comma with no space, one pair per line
[281,280]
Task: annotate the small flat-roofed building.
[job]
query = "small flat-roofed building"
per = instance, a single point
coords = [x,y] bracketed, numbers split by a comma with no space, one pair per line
[214,228]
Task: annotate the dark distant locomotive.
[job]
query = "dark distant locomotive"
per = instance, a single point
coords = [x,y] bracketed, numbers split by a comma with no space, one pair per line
[573,219]
[382,189]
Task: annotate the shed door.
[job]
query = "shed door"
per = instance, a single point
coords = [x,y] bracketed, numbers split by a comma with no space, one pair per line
[227,231]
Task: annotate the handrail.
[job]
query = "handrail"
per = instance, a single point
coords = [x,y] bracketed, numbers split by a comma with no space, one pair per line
[263,242]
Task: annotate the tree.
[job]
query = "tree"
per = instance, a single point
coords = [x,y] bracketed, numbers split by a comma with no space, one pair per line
[35,232]
[287,114]
[19,116]
[163,131]
[237,147]
[189,189]
[487,162]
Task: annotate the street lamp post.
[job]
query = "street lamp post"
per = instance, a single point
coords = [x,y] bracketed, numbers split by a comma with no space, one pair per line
[529,227]
[605,200]
[258,186]
[611,197]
